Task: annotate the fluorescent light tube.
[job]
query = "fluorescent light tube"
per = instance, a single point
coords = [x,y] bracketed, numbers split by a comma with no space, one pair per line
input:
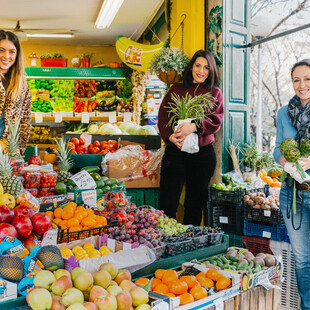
[107,13]
[50,35]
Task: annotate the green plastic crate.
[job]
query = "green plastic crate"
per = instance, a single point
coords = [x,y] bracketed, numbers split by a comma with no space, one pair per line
[151,197]
[14,303]
[137,196]
[31,150]
[235,240]
[83,160]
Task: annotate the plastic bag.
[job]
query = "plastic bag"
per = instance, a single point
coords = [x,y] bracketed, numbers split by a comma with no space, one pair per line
[292,170]
[132,162]
[190,143]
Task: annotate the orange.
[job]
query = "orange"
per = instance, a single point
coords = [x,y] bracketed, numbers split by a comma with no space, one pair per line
[81,213]
[73,222]
[159,273]
[262,173]
[155,281]
[79,208]
[169,275]
[198,292]
[67,213]
[267,179]
[275,184]
[101,220]
[161,289]
[214,275]
[90,211]
[50,214]
[177,287]
[222,283]
[142,281]
[57,220]
[200,275]
[74,228]
[169,295]
[89,221]
[58,212]
[206,282]
[190,280]
[186,298]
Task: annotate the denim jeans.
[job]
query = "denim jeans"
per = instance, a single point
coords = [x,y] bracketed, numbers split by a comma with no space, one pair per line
[300,239]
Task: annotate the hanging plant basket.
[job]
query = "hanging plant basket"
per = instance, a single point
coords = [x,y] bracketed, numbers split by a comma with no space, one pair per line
[169,77]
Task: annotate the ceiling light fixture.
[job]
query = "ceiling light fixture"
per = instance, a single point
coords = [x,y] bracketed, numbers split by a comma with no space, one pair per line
[50,35]
[107,13]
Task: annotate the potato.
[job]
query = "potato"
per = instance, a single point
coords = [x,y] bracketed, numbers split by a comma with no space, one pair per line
[256,206]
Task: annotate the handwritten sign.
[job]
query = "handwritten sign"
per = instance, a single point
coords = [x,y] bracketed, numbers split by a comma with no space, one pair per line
[58,117]
[112,117]
[50,237]
[85,118]
[84,180]
[87,139]
[90,198]
[38,117]
[127,117]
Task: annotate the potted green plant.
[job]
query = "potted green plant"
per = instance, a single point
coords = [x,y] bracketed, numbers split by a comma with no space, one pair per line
[86,60]
[169,64]
[55,60]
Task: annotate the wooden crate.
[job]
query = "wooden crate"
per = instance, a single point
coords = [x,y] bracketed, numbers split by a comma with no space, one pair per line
[257,298]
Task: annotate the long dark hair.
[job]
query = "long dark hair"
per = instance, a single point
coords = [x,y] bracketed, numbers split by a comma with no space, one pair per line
[212,80]
[15,77]
[304,62]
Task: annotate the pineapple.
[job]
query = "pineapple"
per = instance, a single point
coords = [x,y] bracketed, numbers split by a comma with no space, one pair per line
[11,183]
[64,161]
[13,140]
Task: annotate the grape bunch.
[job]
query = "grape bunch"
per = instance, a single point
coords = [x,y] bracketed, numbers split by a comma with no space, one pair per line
[170,225]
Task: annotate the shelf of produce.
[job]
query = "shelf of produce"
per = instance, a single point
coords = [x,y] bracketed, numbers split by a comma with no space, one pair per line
[58,73]
[78,118]
[178,260]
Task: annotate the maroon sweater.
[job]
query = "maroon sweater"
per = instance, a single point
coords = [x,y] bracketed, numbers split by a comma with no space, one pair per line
[209,126]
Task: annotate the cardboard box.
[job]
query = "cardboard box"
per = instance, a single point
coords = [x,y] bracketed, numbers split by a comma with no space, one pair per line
[139,169]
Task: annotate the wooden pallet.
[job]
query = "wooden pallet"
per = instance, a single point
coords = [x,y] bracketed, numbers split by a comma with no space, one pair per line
[257,298]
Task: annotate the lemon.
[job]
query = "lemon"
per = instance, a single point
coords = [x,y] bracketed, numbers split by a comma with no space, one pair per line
[104,250]
[85,256]
[76,248]
[88,246]
[94,254]
[66,253]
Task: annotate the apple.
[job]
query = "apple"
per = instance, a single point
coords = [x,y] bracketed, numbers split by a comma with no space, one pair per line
[124,300]
[139,296]
[41,223]
[123,274]
[126,285]
[39,298]
[83,281]
[90,305]
[30,243]
[71,296]
[96,291]
[61,272]
[75,272]
[114,289]
[61,285]
[107,302]
[143,307]
[6,214]
[44,278]
[7,230]
[102,278]
[24,210]
[23,225]
[56,303]
[76,306]
[110,268]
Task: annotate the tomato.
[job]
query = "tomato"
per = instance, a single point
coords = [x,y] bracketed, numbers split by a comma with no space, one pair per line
[95,150]
[81,141]
[96,143]
[113,143]
[80,148]
[71,146]
[80,152]
[34,160]
[103,143]
[75,141]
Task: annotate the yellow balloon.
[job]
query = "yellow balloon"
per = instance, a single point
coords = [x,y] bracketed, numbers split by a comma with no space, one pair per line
[136,55]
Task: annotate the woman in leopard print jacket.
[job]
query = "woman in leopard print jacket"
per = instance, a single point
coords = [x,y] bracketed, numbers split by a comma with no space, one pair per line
[15,96]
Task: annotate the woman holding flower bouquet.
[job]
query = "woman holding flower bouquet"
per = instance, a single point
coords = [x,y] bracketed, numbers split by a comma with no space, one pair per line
[199,98]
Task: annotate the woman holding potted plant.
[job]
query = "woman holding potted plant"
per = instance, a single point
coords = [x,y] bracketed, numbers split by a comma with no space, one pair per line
[15,96]
[199,99]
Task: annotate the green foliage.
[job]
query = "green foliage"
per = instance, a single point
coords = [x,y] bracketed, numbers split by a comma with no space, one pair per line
[86,55]
[46,55]
[58,55]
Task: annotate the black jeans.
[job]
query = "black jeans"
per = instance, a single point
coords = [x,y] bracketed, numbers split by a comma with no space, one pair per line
[195,170]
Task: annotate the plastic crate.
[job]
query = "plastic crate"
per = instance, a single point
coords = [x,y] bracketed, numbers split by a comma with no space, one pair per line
[290,299]
[272,216]
[199,242]
[178,247]
[257,245]
[151,197]
[228,216]
[274,232]
[235,240]
[137,196]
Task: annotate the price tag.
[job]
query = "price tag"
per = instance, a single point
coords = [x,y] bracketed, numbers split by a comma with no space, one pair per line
[87,139]
[38,117]
[84,180]
[223,219]
[126,246]
[112,117]
[267,213]
[50,237]
[90,198]
[111,244]
[267,234]
[85,118]
[58,117]
[219,304]
[127,117]
[161,305]
[70,196]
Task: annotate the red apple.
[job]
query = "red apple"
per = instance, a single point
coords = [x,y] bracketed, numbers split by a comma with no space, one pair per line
[24,210]
[34,160]
[41,223]
[31,243]
[90,305]
[7,230]
[6,214]
[23,225]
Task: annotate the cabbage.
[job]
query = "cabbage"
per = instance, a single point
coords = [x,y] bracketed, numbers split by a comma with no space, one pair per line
[93,128]
[133,130]
[109,129]
[147,130]
[125,126]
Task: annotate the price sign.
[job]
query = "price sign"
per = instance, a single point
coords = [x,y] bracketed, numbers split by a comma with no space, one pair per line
[223,219]
[267,213]
[87,139]
[84,180]
[112,117]
[126,246]
[58,117]
[127,117]
[90,198]
[38,117]
[111,244]
[85,118]
[50,237]
[267,234]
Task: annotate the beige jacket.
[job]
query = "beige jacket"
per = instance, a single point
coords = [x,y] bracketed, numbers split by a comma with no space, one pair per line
[17,109]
